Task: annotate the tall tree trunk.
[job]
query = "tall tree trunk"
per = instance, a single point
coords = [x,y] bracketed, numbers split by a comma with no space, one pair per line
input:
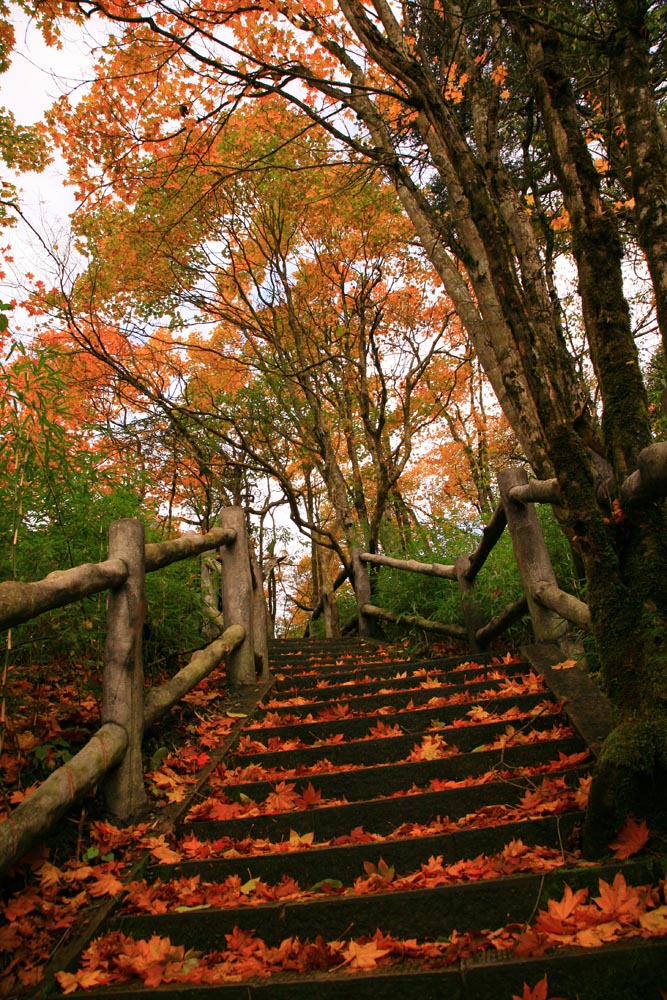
[646,138]
[628,603]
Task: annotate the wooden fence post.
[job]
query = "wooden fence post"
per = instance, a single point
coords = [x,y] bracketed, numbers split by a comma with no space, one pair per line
[123,679]
[470,611]
[212,625]
[237,596]
[532,557]
[260,618]
[362,591]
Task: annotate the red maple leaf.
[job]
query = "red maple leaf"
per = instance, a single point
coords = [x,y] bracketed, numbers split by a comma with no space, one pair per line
[310,798]
[539,991]
[630,839]
[620,901]
[282,798]
[363,956]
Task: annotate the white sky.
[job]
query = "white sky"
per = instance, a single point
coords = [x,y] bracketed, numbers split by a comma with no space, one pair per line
[38,75]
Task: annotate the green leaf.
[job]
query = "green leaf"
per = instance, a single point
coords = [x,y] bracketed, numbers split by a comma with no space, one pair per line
[158,757]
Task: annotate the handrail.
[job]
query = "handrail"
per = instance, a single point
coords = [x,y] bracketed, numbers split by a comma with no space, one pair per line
[566,605]
[113,753]
[411,565]
[455,631]
[160,554]
[537,491]
[550,607]
[19,602]
[104,751]
[490,535]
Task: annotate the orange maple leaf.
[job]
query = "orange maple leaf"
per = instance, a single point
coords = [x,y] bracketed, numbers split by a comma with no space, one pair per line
[310,798]
[363,956]
[282,798]
[84,979]
[561,916]
[106,884]
[539,991]
[620,901]
[161,851]
[630,839]
[431,748]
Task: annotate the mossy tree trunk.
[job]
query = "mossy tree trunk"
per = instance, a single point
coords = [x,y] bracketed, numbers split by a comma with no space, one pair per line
[646,142]
[625,557]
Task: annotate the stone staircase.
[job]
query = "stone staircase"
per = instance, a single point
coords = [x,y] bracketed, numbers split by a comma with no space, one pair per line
[389,828]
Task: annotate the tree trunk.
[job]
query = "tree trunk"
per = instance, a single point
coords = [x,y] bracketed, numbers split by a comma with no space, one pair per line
[646,139]
[627,600]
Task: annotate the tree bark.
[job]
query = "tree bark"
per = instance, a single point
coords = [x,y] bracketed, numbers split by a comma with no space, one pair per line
[646,138]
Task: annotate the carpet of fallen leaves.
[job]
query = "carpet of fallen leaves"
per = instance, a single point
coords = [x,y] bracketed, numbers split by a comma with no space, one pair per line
[51,894]
[619,912]
[46,894]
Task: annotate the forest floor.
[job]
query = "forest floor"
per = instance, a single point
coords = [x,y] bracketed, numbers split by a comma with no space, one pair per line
[83,862]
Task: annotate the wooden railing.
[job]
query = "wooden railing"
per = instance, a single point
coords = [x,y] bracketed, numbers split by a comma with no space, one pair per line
[112,757]
[551,609]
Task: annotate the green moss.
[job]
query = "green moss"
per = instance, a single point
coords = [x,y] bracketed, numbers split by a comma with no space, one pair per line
[631,778]
[637,744]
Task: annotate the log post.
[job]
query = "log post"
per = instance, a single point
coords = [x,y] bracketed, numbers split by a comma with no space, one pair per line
[532,556]
[362,591]
[213,624]
[330,613]
[470,612]
[237,597]
[260,617]
[123,679]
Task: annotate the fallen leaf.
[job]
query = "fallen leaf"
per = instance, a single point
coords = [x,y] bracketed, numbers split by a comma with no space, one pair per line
[363,956]
[655,921]
[631,838]
[539,991]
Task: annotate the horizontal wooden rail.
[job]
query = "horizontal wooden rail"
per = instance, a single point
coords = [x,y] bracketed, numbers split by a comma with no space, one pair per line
[411,565]
[455,631]
[36,815]
[19,602]
[649,482]
[160,554]
[537,491]
[564,604]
